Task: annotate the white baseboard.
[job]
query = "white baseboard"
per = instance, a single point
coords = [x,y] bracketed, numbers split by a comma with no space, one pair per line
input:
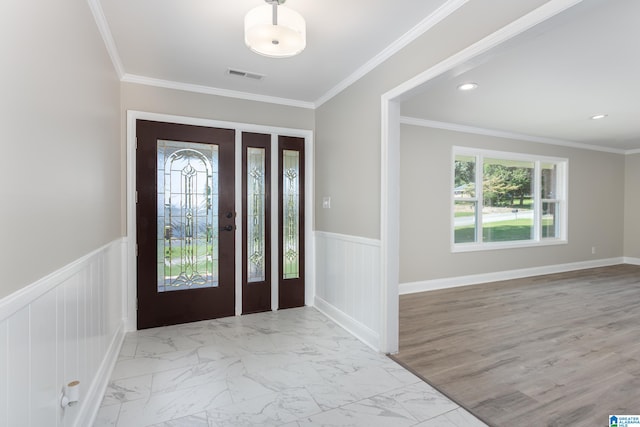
[477,279]
[632,261]
[93,399]
[360,331]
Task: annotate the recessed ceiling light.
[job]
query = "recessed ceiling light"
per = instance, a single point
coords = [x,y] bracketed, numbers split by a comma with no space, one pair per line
[467,86]
[599,116]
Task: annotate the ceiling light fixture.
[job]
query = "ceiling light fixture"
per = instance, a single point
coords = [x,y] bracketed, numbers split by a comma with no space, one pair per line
[598,116]
[467,86]
[274,30]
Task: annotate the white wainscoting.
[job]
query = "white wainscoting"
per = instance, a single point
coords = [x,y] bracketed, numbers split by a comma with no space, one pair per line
[477,279]
[67,326]
[348,283]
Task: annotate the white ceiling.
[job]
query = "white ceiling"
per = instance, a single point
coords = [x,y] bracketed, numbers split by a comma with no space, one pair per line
[543,84]
[194,42]
[549,81]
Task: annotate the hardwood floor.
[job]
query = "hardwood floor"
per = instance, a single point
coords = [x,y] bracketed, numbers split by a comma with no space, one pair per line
[556,350]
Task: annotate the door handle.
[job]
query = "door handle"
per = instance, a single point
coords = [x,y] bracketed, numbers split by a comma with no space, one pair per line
[228,228]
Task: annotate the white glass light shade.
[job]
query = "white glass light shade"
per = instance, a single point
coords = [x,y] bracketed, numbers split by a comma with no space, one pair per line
[288,38]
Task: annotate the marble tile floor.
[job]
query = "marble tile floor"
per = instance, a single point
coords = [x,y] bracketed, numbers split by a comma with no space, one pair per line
[286,368]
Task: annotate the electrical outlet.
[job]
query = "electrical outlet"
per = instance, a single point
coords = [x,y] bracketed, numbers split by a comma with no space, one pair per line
[326,202]
[593,250]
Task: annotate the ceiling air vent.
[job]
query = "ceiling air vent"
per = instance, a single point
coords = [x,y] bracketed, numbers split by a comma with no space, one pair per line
[245,74]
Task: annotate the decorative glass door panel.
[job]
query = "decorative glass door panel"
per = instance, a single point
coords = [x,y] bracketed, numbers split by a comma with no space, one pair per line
[291,205]
[256,201]
[187,215]
[185,222]
[291,222]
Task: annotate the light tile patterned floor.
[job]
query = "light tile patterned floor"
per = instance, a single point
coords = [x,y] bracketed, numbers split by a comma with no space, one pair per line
[286,368]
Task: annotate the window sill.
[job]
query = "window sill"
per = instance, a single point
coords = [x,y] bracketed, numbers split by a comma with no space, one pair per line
[492,246]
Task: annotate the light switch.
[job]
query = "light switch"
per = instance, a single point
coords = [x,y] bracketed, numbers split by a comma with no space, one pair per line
[326,202]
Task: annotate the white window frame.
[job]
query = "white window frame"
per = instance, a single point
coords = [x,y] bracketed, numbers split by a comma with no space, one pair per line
[562,186]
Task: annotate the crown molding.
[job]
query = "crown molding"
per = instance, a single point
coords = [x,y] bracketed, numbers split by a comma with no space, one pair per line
[503,134]
[208,90]
[430,21]
[107,37]
[634,151]
[422,27]
[546,11]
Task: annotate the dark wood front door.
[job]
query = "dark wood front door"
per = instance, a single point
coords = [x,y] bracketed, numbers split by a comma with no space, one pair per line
[185,223]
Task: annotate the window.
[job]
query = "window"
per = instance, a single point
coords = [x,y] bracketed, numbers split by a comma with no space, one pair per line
[505,200]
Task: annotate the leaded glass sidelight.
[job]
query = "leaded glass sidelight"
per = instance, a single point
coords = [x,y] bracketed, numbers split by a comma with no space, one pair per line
[187,215]
[256,202]
[291,213]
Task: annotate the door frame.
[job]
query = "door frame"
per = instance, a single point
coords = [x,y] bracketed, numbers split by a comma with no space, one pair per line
[129,294]
[390,165]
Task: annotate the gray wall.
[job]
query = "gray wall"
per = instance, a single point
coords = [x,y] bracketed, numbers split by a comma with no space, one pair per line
[60,163]
[190,104]
[348,126]
[632,206]
[596,207]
